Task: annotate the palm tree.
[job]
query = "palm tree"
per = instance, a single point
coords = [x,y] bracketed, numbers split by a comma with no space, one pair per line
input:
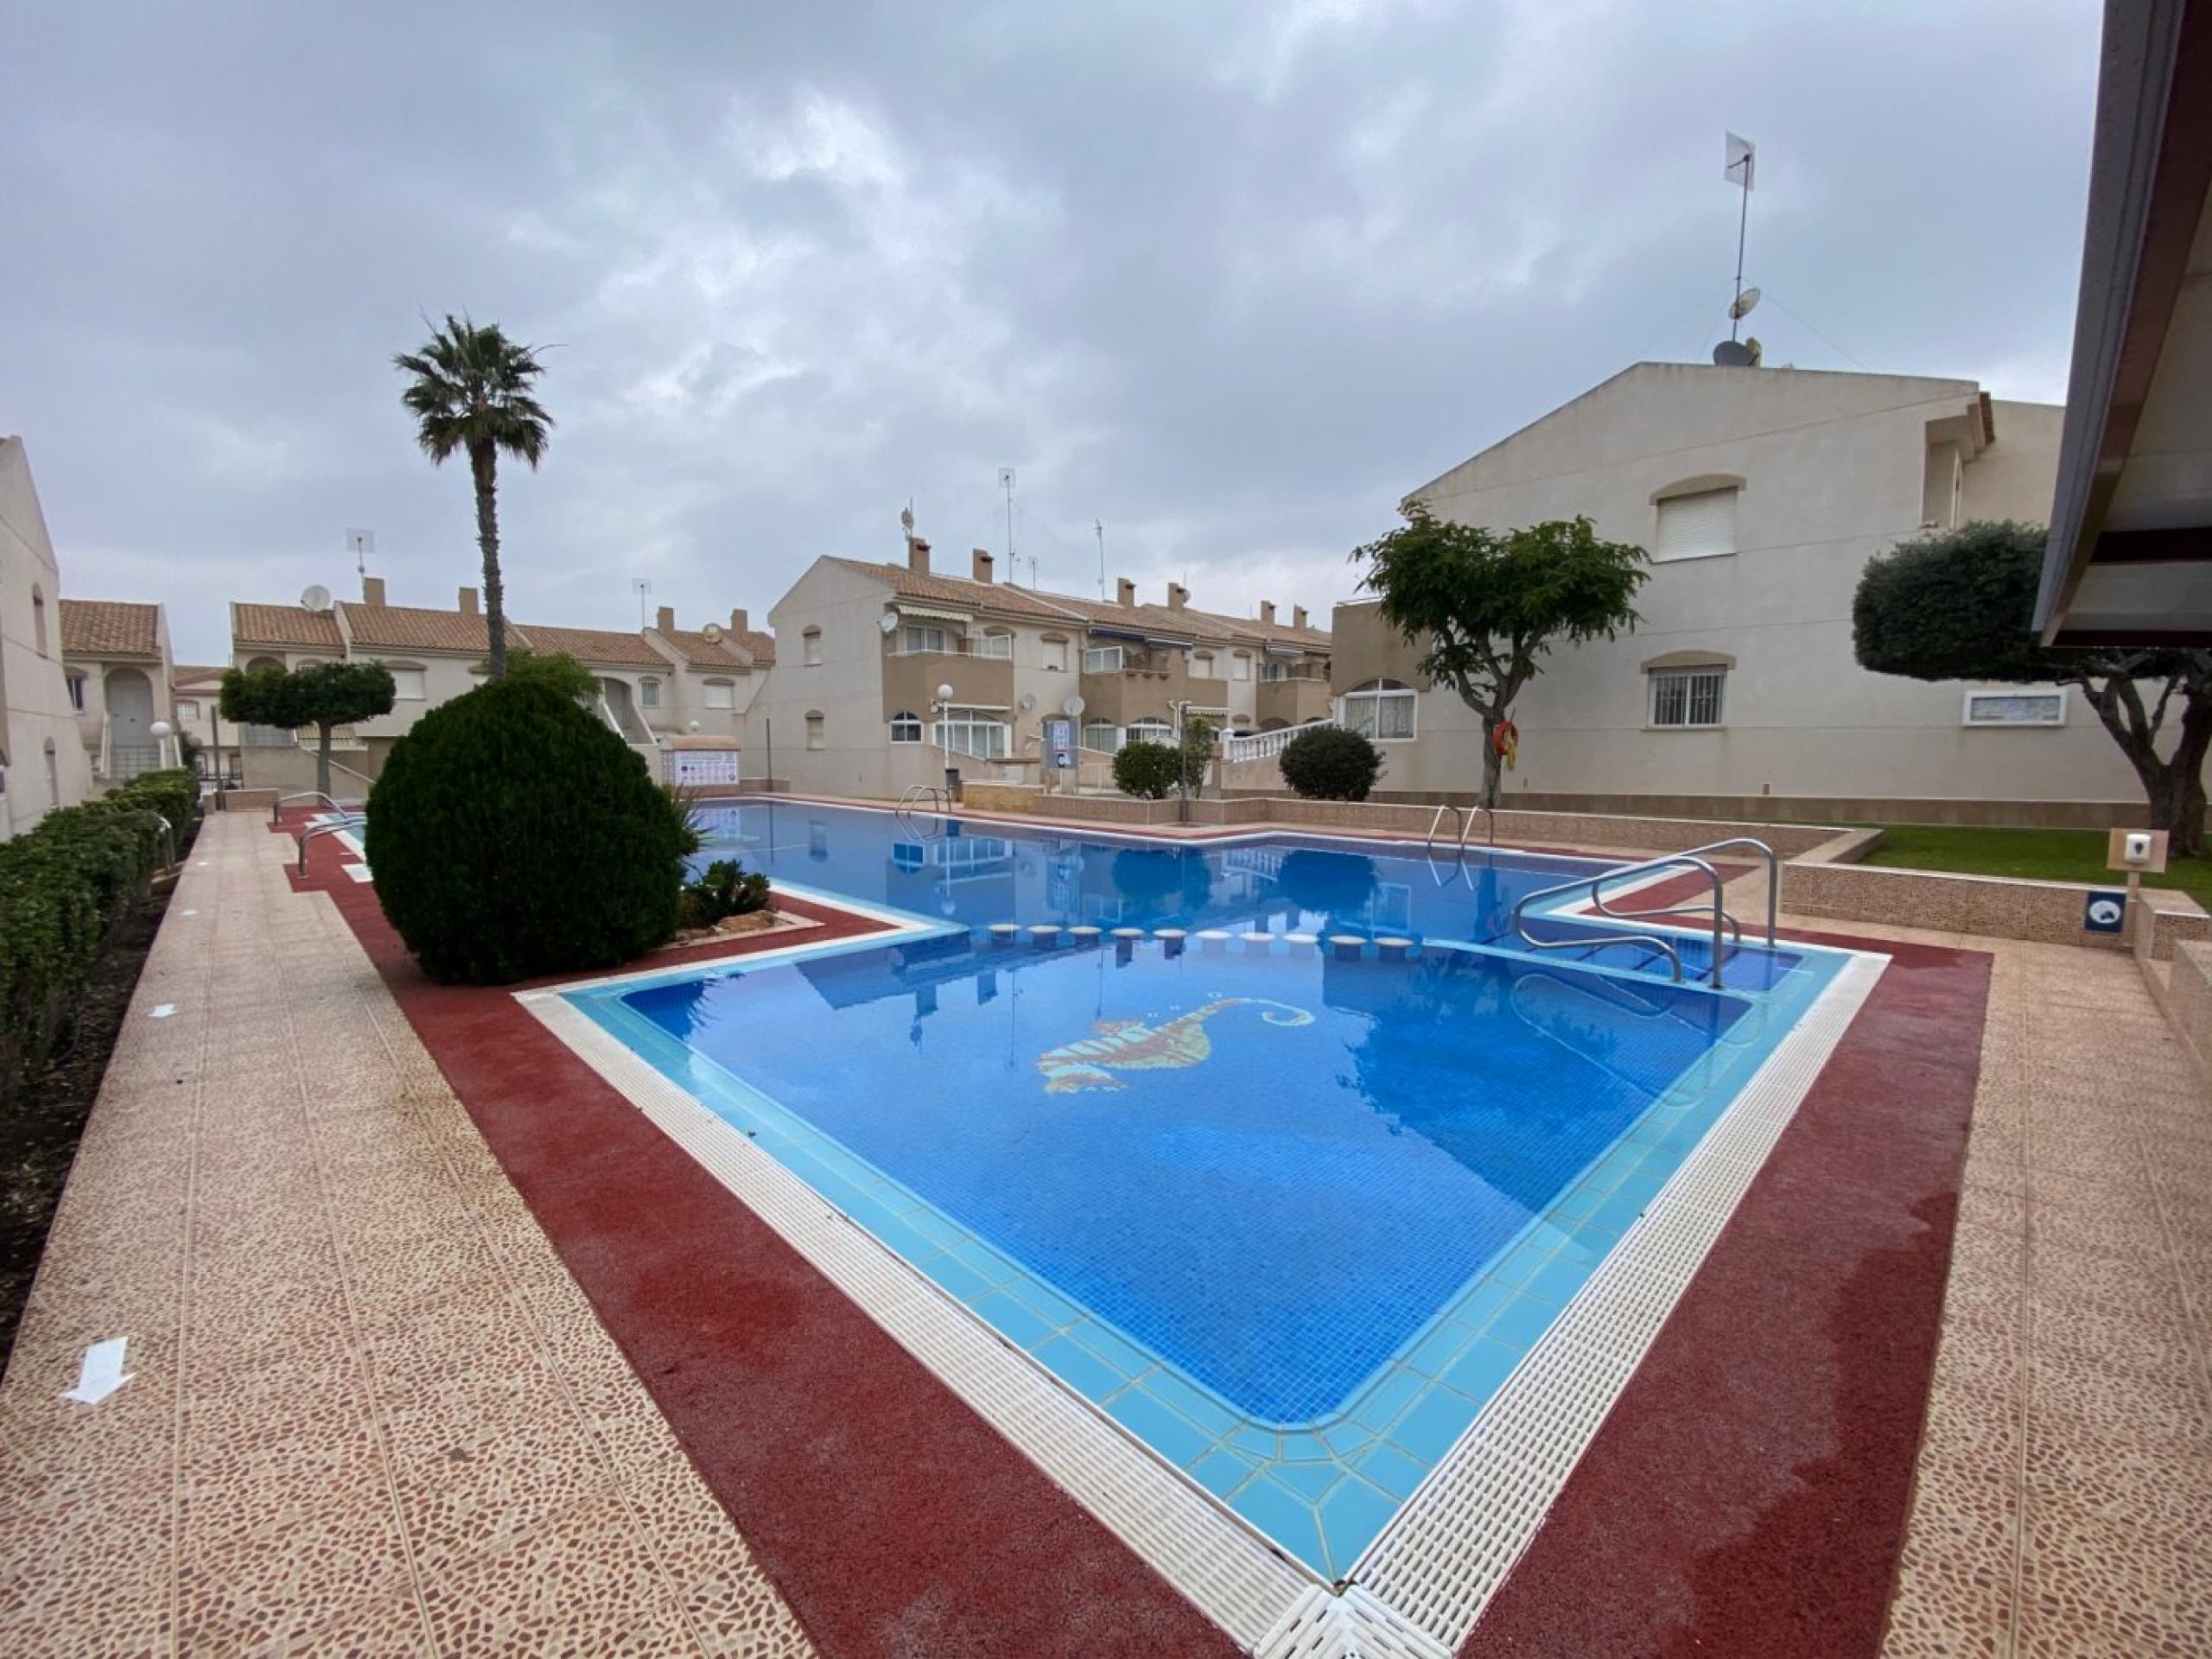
[471,391]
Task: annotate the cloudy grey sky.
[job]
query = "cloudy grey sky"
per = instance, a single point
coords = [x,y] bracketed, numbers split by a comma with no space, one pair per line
[1229,278]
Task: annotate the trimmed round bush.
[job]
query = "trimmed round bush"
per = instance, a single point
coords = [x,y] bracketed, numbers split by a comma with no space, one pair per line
[512,834]
[1147,771]
[1331,764]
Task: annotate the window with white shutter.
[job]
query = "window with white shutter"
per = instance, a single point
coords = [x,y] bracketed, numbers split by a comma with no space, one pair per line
[1698,525]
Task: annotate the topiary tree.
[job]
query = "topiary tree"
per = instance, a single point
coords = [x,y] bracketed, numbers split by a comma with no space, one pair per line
[1959,604]
[1147,771]
[554,668]
[1485,605]
[1331,764]
[325,695]
[512,834]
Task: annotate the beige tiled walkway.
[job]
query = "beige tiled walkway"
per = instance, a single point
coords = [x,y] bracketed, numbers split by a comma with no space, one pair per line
[369,1411]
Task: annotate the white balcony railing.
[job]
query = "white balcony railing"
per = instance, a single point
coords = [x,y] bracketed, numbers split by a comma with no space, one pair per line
[1265,745]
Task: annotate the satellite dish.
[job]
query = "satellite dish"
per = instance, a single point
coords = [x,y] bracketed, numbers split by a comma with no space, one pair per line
[1028,701]
[316,598]
[711,632]
[1745,302]
[1072,707]
[889,624]
[1732,355]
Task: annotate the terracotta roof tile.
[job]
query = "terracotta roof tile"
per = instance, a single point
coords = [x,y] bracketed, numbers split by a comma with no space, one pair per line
[760,648]
[410,628]
[109,628]
[595,645]
[283,625]
[195,673]
[726,651]
[1251,627]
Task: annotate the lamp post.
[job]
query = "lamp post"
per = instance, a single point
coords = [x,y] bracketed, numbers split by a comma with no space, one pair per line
[161,731]
[942,706]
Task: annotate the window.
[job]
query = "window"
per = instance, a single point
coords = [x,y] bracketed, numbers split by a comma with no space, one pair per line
[1240,666]
[1381,710]
[1102,735]
[2040,707]
[978,732]
[187,709]
[814,737]
[1272,671]
[38,626]
[998,643]
[1687,697]
[810,641]
[719,694]
[77,692]
[649,693]
[915,639]
[1151,731]
[1698,525]
[905,727]
[1202,665]
[1056,654]
[408,684]
[1102,659]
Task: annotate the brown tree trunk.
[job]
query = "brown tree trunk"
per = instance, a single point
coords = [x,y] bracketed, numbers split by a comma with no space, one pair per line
[483,464]
[2174,787]
[1493,762]
[323,757]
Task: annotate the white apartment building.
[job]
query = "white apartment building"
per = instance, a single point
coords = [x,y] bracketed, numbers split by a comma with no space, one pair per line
[117,657]
[42,763]
[658,687]
[889,674]
[1760,495]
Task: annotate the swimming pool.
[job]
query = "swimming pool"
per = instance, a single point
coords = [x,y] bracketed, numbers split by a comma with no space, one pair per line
[1288,1212]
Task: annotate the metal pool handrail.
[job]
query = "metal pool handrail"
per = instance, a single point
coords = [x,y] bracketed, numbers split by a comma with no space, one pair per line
[276,806]
[1466,826]
[1722,921]
[350,821]
[938,798]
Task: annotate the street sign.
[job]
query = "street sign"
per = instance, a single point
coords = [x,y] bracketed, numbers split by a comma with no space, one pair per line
[2105,912]
[1059,743]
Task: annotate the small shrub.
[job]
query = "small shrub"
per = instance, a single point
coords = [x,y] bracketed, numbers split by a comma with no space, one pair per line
[513,835]
[1147,771]
[727,888]
[1331,764]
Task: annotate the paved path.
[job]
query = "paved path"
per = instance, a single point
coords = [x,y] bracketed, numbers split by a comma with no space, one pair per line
[368,1410]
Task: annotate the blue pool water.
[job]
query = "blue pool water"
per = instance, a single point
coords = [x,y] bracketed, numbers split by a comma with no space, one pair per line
[1289,1215]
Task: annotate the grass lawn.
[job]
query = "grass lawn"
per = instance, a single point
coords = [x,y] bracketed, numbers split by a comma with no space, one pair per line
[2036,854]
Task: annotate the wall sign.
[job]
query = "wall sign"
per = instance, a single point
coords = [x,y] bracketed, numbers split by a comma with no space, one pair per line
[1059,743]
[705,768]
[2105,912]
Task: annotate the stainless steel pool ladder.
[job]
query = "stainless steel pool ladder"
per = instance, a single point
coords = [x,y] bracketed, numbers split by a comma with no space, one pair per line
[1723,923]
[346,821]
[276,807]
[938,799]
[1467,827]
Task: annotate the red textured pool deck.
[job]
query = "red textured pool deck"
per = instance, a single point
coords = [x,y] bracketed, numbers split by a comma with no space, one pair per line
[1747,1495]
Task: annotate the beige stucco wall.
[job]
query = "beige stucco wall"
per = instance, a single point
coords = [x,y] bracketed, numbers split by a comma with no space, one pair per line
[35,710]
[1834,470]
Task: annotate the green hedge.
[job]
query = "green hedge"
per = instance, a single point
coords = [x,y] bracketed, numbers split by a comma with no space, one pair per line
[64,885]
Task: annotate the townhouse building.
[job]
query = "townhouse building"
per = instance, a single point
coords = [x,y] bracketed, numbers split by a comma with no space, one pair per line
[42,763]
[892,674]
[1760,494]
[116,655]
[662,688]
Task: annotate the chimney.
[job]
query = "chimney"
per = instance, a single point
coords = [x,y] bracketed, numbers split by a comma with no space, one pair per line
[1268,611]
[371,590]
[468,602]
[739,623]
[1178,595]
[918,555]
[981,556]
[1125,590]
[666,620]
[1298,616]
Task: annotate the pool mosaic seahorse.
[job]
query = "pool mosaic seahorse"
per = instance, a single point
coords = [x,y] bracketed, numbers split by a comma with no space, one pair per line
[1132,1046]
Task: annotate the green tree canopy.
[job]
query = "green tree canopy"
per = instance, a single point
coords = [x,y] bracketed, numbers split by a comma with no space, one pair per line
[1959,604]
[320,694]
[554,668]
[473,394]
[1485,606]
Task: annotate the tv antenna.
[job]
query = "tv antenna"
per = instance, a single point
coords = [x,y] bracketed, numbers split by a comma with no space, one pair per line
[361,543]
[1006,483]
[1099,526]
[1741,156]
[642,587]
